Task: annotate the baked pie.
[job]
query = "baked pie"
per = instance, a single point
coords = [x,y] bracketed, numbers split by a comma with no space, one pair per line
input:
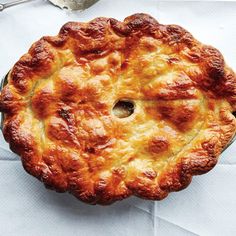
[109,109]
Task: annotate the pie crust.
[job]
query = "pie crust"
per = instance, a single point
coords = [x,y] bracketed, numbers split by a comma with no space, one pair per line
[59,117]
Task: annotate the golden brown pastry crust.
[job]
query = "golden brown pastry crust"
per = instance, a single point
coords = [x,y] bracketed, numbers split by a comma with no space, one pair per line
[59,98]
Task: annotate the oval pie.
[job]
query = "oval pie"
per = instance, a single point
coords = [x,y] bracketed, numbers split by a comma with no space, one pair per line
[109,109]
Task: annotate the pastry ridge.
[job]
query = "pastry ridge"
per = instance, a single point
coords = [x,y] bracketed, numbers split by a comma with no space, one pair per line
[58,104]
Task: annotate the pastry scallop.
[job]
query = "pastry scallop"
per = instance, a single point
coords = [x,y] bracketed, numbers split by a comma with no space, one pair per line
[109,109]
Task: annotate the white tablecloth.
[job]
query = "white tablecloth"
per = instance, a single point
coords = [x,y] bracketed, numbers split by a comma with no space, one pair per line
[206,207]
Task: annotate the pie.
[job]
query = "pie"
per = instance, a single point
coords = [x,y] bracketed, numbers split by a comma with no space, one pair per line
[110,109]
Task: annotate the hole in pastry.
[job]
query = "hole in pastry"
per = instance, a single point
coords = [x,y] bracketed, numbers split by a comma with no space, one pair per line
[123,108]
[234,113]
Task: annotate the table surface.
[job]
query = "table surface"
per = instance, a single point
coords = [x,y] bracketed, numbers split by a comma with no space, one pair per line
[206,207]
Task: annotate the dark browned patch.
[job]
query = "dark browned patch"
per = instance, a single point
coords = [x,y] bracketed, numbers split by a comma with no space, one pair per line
[158,144]
[181,116]
[90,150]
[214,62]
[65,114]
